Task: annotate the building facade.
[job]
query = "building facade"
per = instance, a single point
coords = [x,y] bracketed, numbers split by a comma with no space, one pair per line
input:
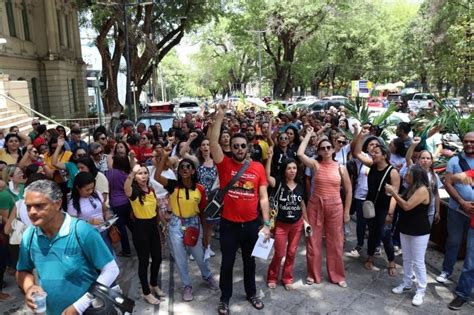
[42,46]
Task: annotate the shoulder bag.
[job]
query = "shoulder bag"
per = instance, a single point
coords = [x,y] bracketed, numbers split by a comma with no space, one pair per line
[18,228]
[368,207]
[190,233]
[216,196]
[273,202]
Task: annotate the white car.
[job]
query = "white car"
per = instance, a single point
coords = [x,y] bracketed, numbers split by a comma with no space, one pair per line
[187,106]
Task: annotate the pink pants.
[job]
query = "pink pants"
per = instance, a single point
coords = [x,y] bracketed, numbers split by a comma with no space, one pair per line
[287,237]
[325,213]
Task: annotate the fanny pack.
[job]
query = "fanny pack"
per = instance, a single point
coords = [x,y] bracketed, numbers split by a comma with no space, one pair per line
[368,207]
[190,233]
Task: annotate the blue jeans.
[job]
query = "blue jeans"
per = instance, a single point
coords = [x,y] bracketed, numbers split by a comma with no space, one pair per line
[458,225]
[180,252]
[466,280]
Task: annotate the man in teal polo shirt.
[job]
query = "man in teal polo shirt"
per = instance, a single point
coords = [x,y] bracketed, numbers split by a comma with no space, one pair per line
[69,255]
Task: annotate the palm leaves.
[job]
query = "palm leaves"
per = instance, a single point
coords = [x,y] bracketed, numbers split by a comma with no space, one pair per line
[360,111]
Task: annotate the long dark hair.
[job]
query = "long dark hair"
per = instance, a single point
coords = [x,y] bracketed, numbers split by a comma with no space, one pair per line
[283,166]
[81,180]
[5,145]
[137,191]
[87,161]
[433,182]
[127,149]
[419,178]
[121,163]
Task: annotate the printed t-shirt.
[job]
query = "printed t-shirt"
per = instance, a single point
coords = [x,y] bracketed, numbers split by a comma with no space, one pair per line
[465,191]
[147,210]
[66,268]
[6,157]
[241,201]
[189,201]
[289,202]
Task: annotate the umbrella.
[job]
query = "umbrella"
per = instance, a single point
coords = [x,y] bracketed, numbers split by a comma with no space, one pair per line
[387,87]
[409,91]
[257,102]
[399,84]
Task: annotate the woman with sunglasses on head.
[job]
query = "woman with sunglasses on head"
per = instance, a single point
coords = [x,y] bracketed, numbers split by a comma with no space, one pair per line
[187,202]
[326,211]
[146,237]
[289,199]
[415,230]
[86,203]
[381,172]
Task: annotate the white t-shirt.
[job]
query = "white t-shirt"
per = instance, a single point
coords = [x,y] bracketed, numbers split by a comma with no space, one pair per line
[160,191]
[341,156]
[361,184]
[101,183]
[22,212]
[91,208]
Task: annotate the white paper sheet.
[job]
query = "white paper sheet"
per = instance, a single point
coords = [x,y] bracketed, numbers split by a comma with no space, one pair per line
[261,249]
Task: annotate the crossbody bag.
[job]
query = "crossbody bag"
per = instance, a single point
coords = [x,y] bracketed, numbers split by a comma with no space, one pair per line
[368,207]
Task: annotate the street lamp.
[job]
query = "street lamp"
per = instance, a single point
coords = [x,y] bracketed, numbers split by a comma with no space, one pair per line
[125,6]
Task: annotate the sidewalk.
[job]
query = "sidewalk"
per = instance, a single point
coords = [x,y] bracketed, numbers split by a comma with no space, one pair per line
[368,292]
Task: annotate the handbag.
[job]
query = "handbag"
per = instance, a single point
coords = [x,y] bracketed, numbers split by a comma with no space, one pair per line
[18,228]
[114,234]
[368,207]
[216,196]
[190,233]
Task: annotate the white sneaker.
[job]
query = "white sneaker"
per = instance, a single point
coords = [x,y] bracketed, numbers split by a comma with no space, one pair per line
[443,277]
[400,289]
[191,257]
[418,299]
[211,252]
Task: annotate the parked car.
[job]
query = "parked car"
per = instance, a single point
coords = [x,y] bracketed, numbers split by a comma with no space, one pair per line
[164,118]
[422,101]
[336,101]
[187,106]
[458,103]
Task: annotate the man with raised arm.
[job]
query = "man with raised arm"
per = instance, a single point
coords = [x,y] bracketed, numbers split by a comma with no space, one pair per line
[239,225]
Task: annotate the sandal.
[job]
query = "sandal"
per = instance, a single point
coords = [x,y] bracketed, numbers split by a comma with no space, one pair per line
[256,302]
[159,293]
[271,285]
[151,299]
[369,264]
[223,308]
[309,281]
[289,287]
[392,269]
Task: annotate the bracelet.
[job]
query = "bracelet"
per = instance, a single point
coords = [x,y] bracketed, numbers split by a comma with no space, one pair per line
[267,223]
[390,214]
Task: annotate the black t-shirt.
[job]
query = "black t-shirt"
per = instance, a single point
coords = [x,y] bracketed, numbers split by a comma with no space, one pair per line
[279,157]
[373,182]
[255,152]
[289,202]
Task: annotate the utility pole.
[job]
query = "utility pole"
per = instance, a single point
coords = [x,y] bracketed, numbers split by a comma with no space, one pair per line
[259,41]
[127,60]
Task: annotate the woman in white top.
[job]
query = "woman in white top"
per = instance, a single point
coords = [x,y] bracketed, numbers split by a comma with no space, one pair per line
[87,204]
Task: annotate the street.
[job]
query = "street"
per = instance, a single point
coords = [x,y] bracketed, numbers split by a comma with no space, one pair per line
[368,292]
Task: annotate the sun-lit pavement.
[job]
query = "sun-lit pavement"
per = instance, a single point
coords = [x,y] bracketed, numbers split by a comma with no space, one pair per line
[367,292]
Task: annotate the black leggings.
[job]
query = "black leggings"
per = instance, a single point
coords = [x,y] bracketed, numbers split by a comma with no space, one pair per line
[146,239]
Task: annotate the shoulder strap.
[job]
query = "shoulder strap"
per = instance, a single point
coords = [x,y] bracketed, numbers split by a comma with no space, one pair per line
[236,177]
[381,182]
[463,163]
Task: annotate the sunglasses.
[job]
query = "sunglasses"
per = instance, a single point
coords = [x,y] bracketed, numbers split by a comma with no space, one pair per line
[35,124]
[98,153]
[236,146]
[102,138]
[93,203]
[81,155]
[283,138]
[341,142]
[185,166]
[325,148]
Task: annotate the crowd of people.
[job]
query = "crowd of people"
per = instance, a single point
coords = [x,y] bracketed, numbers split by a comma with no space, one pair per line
[291,174]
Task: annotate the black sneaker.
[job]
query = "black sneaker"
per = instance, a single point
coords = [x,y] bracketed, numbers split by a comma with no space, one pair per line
[457,303]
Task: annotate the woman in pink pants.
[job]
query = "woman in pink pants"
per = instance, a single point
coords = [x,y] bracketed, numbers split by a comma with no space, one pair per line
[289,201]
[326,211]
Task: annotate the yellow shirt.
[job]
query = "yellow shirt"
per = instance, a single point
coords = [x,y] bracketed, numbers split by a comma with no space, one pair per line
[64,157]
[6,157]
[147,210]
[264,145]
[189,205]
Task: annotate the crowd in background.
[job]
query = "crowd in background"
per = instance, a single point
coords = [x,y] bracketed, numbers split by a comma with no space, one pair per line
[317,170]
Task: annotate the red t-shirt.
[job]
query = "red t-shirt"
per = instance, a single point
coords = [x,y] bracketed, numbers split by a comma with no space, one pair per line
[39,141]
[144,153]
[241,200]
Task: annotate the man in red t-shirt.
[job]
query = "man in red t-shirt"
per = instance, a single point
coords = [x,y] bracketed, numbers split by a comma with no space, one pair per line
[239,224]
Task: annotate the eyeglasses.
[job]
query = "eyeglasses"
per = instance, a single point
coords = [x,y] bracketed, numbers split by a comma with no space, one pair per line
[326,148]
[341,141]
[185,166]
[102,138]
[236,146]
[98,153]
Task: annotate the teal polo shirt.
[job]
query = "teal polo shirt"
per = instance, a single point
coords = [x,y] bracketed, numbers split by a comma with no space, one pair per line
[65,268]
[72,170]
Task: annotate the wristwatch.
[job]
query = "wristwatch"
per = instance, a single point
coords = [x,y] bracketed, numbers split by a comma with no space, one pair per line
[267,223]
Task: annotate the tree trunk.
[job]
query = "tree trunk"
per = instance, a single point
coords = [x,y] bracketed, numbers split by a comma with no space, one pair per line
[424,83]
[448,88]
[439,86]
